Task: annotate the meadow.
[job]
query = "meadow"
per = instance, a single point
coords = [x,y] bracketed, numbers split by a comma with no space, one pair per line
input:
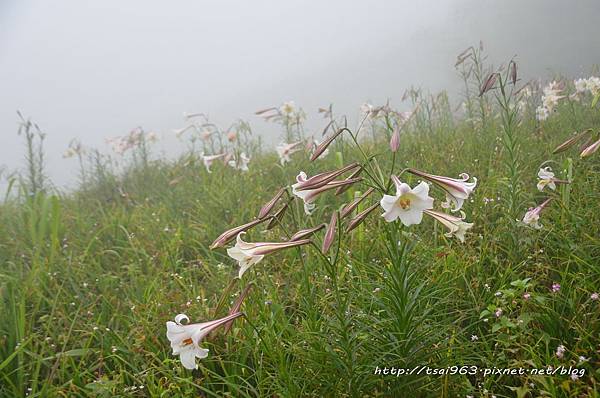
[500,278]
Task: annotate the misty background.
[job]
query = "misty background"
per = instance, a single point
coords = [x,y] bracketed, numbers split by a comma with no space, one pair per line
[96,69]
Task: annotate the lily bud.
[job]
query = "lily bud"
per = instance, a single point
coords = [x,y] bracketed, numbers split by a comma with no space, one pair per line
[266,209]
[323,145]
[330,233]
[513,72]
[489,83]
[305,233]
[571,141]
[277,217]
[360,217]
[352,205]
[236,307]
[457,189]
[591,149]
[228,235]
[395,140]
[344,188]
[323,179]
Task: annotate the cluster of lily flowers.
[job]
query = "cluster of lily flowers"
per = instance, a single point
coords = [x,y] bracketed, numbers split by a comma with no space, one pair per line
[407,205]
[230,153]
[120,145]
[547,179]
[287,112]
[551,96]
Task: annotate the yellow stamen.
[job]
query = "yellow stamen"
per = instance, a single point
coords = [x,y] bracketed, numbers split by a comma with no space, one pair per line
[187,341]
[404,203]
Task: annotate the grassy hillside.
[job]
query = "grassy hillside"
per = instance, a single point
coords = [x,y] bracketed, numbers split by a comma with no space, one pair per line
[88,279]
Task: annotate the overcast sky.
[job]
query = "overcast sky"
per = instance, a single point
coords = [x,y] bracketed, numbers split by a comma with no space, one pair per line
[95,69]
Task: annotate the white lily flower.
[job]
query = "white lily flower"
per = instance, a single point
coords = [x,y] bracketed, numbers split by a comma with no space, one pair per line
[457,189]
[185,338]
[455,225]
[546,177]
[288,109]
[408,204]
[581,85]
[208,160]
[247,254]
[532,216]
[541,113]
[285,150]
[242,164]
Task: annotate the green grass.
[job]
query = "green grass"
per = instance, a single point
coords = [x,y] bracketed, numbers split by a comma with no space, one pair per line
[88,279]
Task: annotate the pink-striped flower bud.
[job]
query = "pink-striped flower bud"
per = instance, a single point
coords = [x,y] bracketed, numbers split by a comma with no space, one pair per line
[360,217]
[228,235]
[395,140]
[330,233]
[305,233]
[352,205]
[266,209]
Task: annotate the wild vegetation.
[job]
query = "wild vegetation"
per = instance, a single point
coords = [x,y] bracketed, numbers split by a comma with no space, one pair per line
[316,293]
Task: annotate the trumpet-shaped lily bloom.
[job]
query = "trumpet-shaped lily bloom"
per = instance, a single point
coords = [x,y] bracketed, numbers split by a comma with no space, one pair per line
[457,189]
[241,163]
[456,226]
[546,179]
[408,204]
[247,254]
[185,338]
[285,150]
[532,217]
[208,160]
[308,196]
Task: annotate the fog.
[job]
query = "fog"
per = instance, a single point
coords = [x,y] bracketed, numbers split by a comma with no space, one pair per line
[96,69]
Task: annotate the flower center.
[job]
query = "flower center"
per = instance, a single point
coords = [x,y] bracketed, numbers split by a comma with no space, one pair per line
[404,203]
[187,342]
